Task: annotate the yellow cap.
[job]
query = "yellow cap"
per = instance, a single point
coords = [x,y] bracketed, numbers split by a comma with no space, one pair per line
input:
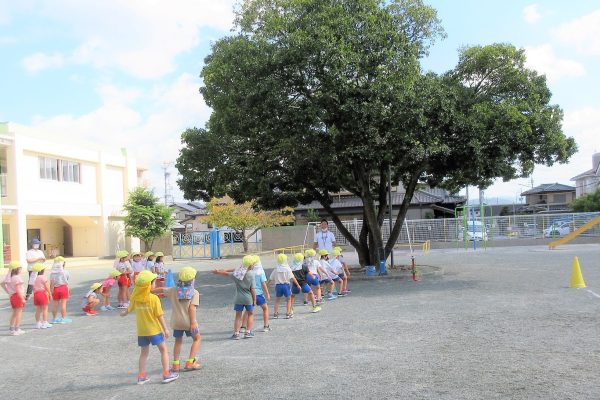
[122,253]
[14,264]
[298,257]
[187,274]
[310,253]
[249,260]
[323,252]
[337,252]
[159,254]
[148,254]
[281,258]
[338,248]
[59,259]
[136,253]
[38,267]
[95,285]
[114,273]
[145,277]
[255,258]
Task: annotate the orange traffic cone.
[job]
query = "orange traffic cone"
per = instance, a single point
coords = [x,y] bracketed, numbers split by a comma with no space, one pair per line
[576,277]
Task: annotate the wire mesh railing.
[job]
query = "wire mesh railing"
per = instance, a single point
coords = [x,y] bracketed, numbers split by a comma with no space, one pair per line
[509,227]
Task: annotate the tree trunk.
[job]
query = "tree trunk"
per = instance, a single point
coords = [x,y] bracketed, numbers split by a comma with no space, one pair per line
[395,233]
[246,239]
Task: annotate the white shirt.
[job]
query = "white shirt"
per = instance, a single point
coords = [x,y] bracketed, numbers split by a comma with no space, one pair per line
[336,266]
[313,267]
[33,254]
[325,240]
[328,269]
[138,266]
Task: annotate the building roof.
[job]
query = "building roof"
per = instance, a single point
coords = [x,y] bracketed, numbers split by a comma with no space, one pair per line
[589,173]
[191,206]
[549,188]
[420,197]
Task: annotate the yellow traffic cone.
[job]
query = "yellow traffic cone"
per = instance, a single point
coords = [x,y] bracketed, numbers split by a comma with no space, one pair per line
[576,277]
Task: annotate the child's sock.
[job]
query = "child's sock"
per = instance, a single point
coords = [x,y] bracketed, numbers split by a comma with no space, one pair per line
[166,372]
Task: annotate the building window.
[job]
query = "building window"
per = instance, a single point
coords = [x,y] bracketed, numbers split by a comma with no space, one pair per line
[70,171]
[560,198]
[49,168]
[59,170]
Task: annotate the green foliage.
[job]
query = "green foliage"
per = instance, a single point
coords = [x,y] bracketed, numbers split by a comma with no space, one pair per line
[311,97]
[147,219]
[588,202]
[312,215]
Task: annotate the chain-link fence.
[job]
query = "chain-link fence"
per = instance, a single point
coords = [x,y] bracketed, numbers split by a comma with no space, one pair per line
[495,228]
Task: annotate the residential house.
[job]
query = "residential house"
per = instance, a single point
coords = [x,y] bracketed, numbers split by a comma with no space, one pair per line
[588,181]
[70,196]
[426,203]
[188,216]
[548,197]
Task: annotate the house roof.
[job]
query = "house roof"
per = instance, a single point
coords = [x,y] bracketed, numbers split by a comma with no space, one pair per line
[589,173]
[549,188]
[192,206]
[420,197]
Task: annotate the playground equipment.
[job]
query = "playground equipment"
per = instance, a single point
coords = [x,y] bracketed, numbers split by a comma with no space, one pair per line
[472,228]
[575,233]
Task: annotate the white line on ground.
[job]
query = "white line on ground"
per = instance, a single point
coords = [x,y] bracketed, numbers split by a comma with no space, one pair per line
[595,294]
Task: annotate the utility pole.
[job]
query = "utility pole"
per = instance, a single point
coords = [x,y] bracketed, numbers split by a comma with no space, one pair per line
[167,174]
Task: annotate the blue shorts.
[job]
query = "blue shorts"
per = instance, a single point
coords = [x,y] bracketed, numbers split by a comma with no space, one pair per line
[305,289]
[282,290]
[342,276]
[314,281]
[240,307]
[260,300]
[179,333]
[326,280]
[155,340]
[336,278]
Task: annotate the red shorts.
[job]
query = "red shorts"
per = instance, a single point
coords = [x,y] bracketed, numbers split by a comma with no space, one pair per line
[40,298]
[16,301]
[105,290]
[60,293]
[124,280]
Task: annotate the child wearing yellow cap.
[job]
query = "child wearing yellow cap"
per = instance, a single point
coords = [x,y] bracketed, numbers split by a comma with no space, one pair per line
[91,300]
[59,285]
[328,277]
[41,296]
[245,294]
[151,326]
[13,285]
[282,276]
[185,300]
[340,257]
[122,265]
[107,284]
[301,272]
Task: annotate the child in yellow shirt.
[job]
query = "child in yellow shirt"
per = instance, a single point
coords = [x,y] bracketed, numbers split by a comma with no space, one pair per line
[151,326]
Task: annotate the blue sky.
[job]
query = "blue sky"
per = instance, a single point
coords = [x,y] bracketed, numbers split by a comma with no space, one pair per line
[124,73]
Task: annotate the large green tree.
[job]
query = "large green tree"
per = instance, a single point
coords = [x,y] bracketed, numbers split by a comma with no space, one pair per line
[146,219]
[311,97]
[588,202]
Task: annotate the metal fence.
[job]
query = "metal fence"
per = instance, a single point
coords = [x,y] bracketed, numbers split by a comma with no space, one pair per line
[511,227]
[197,244]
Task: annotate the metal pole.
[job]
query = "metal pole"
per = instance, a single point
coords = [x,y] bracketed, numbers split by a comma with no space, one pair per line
[390,210]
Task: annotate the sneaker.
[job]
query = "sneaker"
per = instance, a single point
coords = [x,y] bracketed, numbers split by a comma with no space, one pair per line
[103,308]
[46,325]
[176,366]
[342,294]
[66,320]
[267,329]
[316,309]
[249,335]
[347,291]
[110,308]
[57,320]
[38,325]
[289,316]
[235,336]
[142,379]
[18,332]
[192,365]
[170,377]
[331,297]
[305,303]
[93,312]
[276,316]
[242,329]
[121,306]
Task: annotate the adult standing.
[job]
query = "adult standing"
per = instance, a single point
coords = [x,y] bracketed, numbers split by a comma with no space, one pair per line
[33,256]
[324,239]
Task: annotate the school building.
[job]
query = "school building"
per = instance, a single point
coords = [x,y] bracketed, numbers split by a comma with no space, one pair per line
[70,196]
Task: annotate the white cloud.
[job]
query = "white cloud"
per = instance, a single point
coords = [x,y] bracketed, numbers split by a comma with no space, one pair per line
[39,61]
[543,59]
[143,38]
[152,137]
[531,13]
[582,33]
